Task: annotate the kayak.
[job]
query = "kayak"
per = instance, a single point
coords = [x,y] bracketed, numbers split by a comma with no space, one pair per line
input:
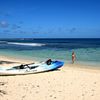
[31,68]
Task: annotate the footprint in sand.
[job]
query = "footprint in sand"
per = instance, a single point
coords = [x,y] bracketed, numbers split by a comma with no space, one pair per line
[83,95]
[55,97]
[37,91]
[38,86]
[2,83]
[2,92]
[50,95]
[95,82]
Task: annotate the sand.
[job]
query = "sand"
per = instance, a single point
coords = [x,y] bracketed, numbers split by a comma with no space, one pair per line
[71,82]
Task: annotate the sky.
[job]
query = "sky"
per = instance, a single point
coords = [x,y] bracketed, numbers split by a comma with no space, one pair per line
[49,18]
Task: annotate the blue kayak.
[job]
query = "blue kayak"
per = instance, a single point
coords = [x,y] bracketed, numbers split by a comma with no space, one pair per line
[32,68]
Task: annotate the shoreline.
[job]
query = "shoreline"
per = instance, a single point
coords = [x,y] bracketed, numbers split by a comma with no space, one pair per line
[7,61]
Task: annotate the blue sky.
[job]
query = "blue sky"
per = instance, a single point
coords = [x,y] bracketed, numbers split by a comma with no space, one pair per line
[49,18]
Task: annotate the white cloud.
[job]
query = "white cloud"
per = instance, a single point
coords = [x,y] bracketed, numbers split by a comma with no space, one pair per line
[4,24]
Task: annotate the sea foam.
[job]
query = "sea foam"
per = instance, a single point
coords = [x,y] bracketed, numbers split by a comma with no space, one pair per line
[27,44]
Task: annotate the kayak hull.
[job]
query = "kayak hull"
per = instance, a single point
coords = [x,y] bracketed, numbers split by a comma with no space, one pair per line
[32,68]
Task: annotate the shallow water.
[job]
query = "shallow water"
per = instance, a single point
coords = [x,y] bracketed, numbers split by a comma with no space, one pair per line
[87,50]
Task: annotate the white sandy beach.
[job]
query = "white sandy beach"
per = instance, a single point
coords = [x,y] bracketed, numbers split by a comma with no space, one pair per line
[69,83]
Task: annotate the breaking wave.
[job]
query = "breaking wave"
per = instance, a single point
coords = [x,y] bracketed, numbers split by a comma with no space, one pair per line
[26,44]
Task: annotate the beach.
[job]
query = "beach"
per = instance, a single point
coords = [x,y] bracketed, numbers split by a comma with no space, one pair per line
[70,82]
[49,49]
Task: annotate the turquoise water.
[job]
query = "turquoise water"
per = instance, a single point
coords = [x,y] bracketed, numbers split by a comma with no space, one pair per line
[87,51]
[83,56]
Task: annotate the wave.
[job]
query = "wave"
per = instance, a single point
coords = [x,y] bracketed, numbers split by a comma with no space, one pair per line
[27,44]
[3,42]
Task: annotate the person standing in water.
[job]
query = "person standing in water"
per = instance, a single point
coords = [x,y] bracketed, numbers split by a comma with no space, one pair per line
[73,57]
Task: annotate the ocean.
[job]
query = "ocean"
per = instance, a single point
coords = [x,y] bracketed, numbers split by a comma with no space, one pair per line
[87,50]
